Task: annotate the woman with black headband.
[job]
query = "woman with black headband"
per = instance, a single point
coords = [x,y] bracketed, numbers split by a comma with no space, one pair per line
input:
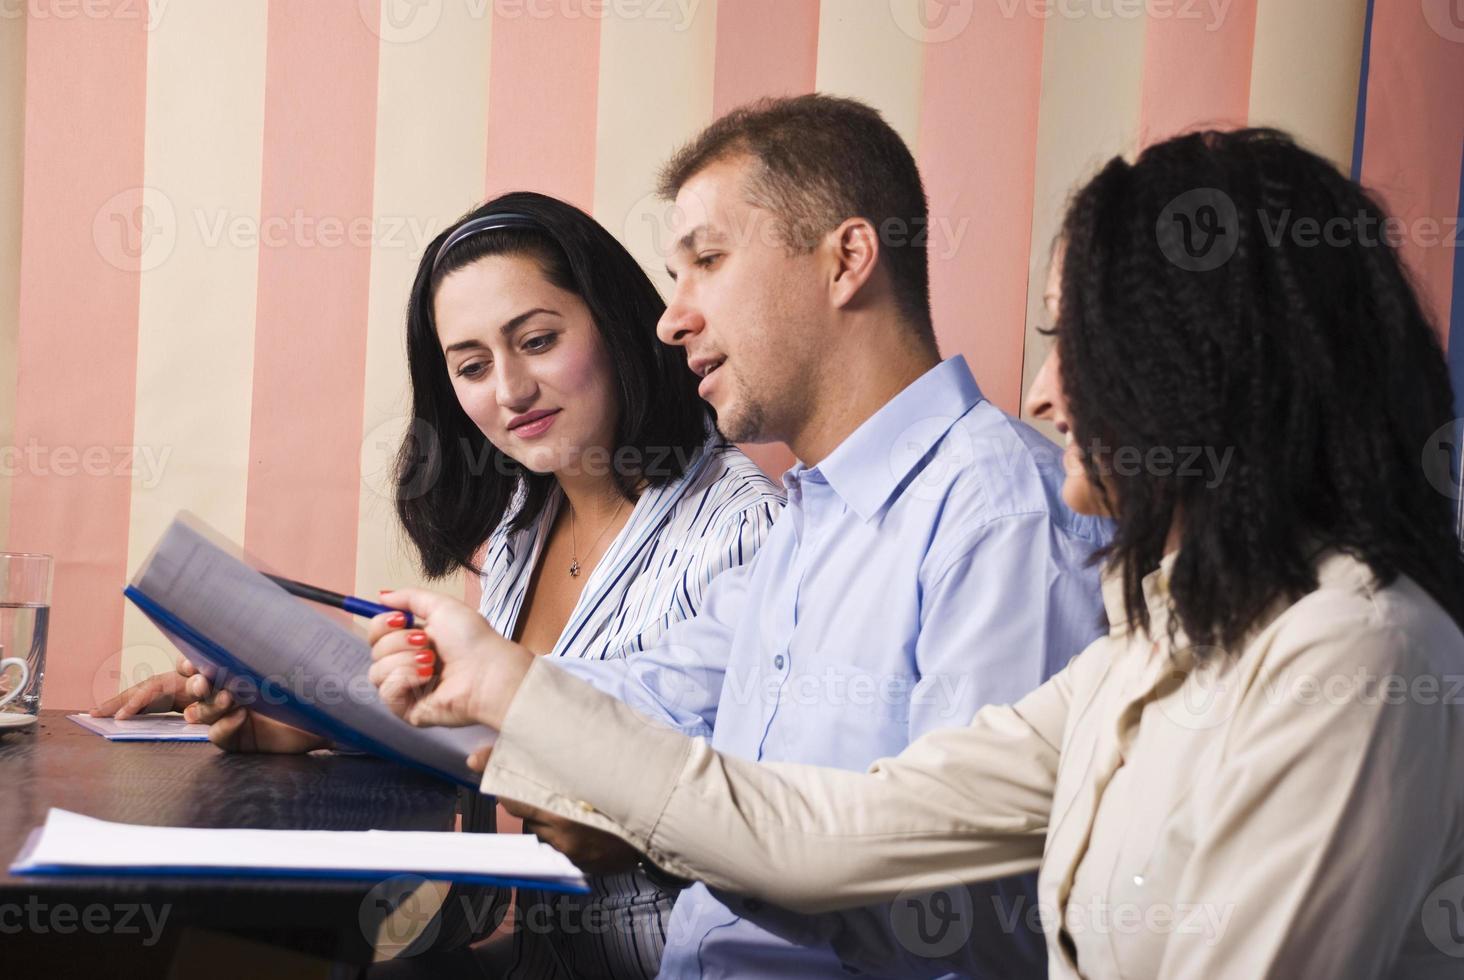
[558,449]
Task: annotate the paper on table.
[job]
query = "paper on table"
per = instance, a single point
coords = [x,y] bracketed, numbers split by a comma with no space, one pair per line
[69,843]
[146,728]
[279,654]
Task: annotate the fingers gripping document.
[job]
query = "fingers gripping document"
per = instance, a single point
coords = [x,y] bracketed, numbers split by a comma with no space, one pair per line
[280,656]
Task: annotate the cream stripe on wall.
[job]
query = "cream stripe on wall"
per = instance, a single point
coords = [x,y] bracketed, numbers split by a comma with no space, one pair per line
[1091,89]
[655,93]
[431,145]
[12,157]
[195,344]
[866,53]
[1308,54]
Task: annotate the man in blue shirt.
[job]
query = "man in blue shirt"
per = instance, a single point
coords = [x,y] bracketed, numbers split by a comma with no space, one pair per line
[925,564]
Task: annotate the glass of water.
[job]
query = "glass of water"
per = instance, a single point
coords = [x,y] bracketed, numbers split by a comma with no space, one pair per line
[25,612]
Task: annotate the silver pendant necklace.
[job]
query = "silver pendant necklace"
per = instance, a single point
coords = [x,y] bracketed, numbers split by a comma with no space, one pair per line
[574,565]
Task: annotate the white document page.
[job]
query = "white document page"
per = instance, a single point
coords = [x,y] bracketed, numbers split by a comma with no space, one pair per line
[72,842]
[145,728]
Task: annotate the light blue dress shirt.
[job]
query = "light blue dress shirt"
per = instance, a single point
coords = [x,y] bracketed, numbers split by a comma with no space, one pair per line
[925,568]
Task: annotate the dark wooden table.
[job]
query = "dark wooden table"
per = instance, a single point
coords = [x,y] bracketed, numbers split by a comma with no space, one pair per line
[48,921]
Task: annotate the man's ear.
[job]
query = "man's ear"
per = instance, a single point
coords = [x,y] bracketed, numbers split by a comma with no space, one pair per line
[854,246]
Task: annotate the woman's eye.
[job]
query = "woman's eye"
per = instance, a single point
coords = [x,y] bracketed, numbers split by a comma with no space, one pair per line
[705,261]
[542,342]
[473,370]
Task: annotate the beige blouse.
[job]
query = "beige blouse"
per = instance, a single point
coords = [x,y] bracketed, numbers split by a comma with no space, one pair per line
[1290,811]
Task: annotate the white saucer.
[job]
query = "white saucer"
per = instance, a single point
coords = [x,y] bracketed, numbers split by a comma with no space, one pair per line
[13,720]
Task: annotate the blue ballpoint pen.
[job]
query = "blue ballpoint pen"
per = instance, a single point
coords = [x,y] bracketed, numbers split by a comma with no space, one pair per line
[350,604]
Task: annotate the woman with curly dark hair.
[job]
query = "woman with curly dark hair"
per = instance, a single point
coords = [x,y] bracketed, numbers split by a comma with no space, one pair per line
[1255,773]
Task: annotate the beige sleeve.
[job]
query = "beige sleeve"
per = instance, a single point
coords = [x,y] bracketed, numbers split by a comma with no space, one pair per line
[1336,806]
[969,802]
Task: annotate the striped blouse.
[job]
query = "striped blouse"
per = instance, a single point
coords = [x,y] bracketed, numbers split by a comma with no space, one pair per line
[679,537]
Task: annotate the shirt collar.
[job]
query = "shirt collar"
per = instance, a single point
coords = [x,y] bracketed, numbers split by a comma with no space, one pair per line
[1156,597]
[873,461]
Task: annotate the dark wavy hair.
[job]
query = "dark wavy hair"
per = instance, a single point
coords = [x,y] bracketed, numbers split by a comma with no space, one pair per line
[1309,356]
[453,486]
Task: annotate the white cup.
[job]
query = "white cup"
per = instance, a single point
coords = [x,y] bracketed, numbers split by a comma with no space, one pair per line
[6,664]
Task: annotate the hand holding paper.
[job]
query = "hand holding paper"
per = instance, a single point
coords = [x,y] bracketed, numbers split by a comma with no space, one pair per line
[452,670]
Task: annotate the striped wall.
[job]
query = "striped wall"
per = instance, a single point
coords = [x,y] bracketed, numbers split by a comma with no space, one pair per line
[201,298]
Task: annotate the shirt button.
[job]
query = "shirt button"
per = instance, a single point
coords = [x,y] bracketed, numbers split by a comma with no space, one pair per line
[778,661]
[1139,880]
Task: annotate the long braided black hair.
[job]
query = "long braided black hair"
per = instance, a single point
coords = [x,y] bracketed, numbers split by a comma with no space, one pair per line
[1202,308]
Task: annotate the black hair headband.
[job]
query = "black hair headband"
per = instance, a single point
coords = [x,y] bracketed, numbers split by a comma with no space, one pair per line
[488,222]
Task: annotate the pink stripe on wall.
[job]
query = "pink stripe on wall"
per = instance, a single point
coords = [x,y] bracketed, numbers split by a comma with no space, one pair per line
[978,153]
[1197,69]
[85,236]
[314,271]
[543,88]
[1414,136]
[764,47]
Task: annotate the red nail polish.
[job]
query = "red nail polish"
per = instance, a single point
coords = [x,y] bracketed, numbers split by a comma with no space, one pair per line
[425,657]
[424,671]
[397,621]
[417,639]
